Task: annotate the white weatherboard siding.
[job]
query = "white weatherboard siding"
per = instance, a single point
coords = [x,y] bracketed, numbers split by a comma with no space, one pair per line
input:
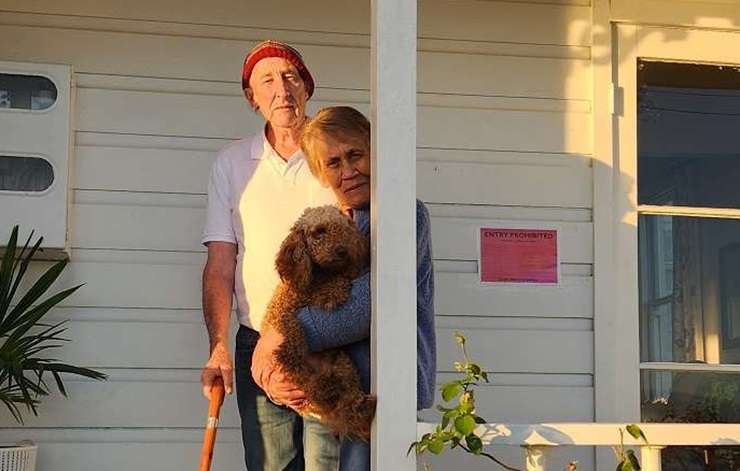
[504,137]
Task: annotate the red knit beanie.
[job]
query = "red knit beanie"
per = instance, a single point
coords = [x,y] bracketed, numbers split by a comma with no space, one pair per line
[276,49]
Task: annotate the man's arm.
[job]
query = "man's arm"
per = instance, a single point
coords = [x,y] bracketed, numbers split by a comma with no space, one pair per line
[218,289]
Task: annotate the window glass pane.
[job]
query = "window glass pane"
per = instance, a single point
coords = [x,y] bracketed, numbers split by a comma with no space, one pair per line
[682,396]
[688,142]
[709,458]
[689,268]
[26,92]
[689,289]
[690,396]
[25,173]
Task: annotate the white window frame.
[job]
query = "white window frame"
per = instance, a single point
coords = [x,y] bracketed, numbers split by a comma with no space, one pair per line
[616,209]
[613,33]
[46,134]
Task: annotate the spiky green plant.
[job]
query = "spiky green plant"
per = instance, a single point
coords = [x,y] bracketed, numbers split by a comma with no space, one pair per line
[25,340]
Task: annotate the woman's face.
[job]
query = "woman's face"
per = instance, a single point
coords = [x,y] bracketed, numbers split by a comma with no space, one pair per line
[345,168]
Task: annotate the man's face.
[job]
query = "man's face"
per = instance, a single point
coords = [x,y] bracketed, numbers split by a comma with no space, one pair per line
[345,168]
[277,90]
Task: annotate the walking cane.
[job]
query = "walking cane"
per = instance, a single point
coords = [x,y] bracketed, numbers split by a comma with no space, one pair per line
[209,439]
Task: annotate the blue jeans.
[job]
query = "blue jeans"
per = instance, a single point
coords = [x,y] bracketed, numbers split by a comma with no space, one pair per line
[275,437]
[354,456]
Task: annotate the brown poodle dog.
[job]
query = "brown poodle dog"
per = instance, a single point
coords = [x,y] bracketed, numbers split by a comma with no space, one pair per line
[317,262]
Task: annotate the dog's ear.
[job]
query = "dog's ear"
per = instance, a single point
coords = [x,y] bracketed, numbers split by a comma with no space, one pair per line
[293,262]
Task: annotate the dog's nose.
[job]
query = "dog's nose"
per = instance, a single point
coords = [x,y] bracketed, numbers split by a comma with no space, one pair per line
[340,252]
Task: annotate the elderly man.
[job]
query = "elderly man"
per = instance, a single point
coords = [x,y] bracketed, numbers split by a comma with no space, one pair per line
[259,186]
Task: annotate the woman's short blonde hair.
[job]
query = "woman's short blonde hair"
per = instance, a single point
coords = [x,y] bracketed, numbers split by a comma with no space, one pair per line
[338,123]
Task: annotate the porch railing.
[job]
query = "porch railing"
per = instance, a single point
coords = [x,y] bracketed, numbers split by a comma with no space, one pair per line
[537,440]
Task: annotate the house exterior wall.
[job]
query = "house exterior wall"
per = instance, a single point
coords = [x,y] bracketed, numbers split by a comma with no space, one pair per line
[505,137]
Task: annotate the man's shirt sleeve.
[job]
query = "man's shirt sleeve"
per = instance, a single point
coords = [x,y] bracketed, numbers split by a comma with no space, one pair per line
[219,209]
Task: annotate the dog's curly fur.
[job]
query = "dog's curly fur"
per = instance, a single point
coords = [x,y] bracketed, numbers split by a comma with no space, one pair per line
[317,262]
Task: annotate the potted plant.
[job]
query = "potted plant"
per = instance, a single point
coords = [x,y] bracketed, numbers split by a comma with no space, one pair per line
[26,341]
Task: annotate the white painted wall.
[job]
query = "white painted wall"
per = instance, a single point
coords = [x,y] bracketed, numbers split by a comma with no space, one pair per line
[504,134]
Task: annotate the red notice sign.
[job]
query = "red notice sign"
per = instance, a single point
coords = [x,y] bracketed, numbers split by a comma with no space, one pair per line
[518,255]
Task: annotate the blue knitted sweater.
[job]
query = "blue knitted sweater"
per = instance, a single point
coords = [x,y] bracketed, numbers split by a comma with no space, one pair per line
[349,325]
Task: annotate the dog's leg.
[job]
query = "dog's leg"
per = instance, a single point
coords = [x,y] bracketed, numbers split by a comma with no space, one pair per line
[338,397]
[280,315]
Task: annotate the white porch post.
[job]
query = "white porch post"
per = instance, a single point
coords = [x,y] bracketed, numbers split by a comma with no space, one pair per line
[650,457]
[393,116]
[535,458]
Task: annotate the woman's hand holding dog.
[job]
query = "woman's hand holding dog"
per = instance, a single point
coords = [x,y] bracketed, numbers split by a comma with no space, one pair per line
[268,376]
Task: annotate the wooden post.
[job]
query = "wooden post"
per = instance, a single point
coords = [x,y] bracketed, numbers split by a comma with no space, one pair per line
[393,216]
[650,458]
[535,458]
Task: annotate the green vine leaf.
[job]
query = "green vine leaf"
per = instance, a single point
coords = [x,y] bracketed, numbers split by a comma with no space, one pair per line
[636,432]
[451,391]
[436,446]
[633,460]
[451,415]
[474,443]
[465,424]
[625,466]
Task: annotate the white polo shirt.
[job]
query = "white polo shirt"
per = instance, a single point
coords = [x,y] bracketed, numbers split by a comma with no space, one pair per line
[254,197]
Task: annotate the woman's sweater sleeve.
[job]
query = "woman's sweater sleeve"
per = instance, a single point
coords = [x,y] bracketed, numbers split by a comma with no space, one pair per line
[426,344]
[349,323]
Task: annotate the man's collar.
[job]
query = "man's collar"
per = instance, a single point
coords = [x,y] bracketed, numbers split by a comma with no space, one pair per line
[260,145]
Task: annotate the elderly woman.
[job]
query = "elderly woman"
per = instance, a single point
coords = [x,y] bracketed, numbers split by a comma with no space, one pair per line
[336,143]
